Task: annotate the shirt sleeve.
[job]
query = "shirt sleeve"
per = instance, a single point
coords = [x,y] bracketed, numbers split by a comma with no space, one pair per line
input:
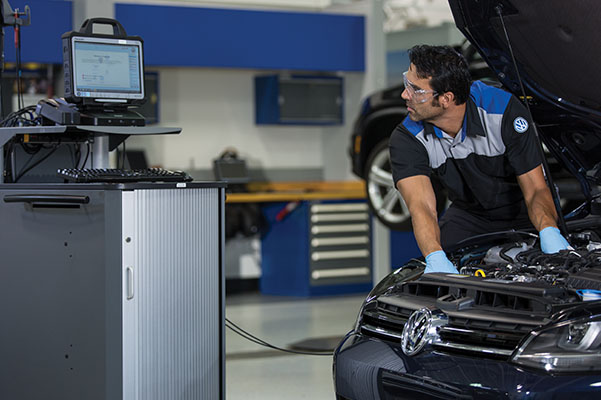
[522,148]
[408,157]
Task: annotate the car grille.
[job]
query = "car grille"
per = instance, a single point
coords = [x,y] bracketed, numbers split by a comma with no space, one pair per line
[492,337]
[386,321]
[447,295]
[406,386]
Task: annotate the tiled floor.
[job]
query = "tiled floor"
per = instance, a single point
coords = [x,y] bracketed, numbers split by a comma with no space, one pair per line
[256,372]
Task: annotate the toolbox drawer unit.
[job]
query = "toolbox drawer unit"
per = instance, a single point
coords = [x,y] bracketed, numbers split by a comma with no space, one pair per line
[320,248]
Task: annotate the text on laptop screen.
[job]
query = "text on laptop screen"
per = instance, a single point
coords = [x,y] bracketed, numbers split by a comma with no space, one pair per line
[107,68]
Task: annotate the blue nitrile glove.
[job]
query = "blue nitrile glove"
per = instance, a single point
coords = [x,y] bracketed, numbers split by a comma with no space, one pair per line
[551,240]
[437,261]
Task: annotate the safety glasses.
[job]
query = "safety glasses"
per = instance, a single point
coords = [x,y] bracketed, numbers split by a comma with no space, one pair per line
[417,95]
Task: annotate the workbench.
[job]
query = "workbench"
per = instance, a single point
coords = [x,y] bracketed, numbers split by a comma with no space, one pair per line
[262,192]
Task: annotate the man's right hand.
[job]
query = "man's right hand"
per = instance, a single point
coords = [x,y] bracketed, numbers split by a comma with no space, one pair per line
[437,261]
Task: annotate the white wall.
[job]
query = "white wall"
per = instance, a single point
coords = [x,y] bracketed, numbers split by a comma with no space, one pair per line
[215,108]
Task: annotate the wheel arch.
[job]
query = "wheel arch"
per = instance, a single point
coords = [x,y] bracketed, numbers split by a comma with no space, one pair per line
[379,126]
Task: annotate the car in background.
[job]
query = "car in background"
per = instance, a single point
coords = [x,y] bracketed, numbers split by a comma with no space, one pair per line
[515,323]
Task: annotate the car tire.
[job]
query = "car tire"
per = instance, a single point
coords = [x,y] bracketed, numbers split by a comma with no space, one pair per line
[383,198]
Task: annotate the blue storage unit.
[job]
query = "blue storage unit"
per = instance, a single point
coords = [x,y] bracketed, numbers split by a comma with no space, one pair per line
[299,100]
[231,38]
[319,248]
[403,247]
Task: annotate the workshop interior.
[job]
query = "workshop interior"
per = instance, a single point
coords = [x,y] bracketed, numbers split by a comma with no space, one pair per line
[197,201]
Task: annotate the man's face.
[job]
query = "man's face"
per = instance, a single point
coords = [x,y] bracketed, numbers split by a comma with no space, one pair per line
[422,103]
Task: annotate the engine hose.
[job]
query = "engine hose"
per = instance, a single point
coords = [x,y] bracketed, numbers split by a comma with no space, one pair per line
[506,249]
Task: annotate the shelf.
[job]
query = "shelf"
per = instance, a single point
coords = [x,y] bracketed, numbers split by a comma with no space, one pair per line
[298,191]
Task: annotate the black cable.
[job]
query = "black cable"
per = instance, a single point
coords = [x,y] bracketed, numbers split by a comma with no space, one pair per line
[87,155]
[77,151]
[561,220]
[235,328]
[18,118]
[264,344]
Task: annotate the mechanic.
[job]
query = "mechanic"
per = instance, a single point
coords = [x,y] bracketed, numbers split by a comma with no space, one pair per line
[479,142]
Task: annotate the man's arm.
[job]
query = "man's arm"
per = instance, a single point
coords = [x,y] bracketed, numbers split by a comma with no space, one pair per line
[537,195]
[541,210]
[419,196]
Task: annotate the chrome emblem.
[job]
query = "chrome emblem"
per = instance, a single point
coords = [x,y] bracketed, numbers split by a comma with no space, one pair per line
[415,331]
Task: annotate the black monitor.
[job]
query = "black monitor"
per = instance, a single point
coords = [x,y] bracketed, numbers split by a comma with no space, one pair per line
[103,69]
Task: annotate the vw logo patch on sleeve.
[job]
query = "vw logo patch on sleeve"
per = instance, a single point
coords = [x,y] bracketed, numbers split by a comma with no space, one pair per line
[520,124]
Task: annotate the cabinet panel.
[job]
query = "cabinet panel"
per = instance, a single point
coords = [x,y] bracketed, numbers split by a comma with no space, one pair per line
[172,314]
[299,100]
[53,288]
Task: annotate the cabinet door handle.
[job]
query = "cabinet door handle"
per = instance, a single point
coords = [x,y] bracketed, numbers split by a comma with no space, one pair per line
[129,283]
[46,198]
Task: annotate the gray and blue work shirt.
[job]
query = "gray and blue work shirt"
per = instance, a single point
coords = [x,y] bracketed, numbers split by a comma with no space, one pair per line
[479,166]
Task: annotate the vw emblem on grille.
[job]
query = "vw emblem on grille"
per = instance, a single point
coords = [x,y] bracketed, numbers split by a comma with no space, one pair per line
[415,332]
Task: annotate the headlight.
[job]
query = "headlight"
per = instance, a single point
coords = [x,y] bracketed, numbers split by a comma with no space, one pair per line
[571,346]
[410,271]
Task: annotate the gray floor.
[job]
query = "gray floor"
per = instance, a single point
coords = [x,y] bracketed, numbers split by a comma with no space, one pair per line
[256,372]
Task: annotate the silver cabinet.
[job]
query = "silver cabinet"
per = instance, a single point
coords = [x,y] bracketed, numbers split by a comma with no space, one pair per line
[111,292]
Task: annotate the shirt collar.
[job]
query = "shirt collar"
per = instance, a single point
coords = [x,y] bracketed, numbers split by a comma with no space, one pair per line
[432,130]
[471,121]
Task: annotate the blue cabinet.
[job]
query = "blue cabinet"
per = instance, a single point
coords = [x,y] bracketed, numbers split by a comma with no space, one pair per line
[319,248]
[299,100]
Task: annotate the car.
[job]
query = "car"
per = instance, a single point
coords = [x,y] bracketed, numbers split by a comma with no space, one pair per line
[515,322]
[379,115]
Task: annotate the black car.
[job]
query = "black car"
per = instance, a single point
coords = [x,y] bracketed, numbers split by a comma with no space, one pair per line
[514,323]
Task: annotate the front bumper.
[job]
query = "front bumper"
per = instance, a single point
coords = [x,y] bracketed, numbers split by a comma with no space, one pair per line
[367,368]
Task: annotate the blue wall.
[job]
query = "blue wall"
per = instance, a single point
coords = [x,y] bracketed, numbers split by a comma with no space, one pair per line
[210,37]
[40,41]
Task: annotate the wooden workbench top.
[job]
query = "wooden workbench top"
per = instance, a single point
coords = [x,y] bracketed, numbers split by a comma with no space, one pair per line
[297,191]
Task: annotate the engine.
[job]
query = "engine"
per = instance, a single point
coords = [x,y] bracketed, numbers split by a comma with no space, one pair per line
[523,261]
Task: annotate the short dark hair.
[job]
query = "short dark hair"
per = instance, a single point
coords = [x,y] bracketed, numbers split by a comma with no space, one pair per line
[447,68]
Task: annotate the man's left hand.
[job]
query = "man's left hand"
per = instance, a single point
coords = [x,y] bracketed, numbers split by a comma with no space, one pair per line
[551,241]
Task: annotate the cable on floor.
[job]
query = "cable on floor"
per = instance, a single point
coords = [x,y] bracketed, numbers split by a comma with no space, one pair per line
[236,329]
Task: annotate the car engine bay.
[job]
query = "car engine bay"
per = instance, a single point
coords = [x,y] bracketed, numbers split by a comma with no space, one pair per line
[524,262]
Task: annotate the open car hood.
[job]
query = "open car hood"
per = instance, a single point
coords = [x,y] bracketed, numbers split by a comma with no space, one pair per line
[557,50]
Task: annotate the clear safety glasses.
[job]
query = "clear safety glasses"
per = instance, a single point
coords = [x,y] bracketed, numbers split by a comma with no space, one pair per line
[417,95]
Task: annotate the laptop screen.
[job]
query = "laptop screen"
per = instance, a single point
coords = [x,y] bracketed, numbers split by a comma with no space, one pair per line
[105,68]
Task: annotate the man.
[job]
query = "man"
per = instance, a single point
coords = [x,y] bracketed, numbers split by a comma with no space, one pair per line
[479,141]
